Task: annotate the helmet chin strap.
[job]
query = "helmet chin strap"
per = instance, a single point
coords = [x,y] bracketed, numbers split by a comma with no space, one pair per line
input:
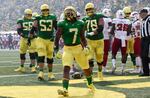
[26,17]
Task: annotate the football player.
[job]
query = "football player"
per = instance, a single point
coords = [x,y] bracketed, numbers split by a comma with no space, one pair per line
[23,27]
[94,28]
[58,55]
[119,29]
[136,31]
[106,33]
[45,25]
[72,32]
[130,42]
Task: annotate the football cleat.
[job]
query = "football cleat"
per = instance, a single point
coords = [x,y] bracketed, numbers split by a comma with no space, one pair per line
[100,75]
[92,88]
[77,75]
[51,76]
[33,69]
[41,76]
[63,92]
[20,69]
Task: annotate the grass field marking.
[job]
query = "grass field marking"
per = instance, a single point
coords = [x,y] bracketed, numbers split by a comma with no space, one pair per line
[132,85]
[51,92]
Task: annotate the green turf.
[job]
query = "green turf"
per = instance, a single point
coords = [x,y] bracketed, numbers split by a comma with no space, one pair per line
[9,60]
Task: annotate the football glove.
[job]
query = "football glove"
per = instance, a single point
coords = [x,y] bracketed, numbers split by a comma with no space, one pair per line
[86,50]
[56,49]
[58,55]
[90,33]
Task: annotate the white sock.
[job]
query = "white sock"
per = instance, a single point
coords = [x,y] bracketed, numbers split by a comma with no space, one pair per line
[114,62]
[138,61]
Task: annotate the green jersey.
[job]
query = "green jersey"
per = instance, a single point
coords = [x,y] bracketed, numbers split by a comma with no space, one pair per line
[71,31]
[92,25]
[26,25]
[45,26]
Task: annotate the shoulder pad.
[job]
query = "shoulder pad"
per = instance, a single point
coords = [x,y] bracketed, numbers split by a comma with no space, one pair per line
[19,20]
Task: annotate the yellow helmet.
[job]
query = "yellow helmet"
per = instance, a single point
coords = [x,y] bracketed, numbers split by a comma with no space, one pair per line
[35,14]
[127,11]
[90,9]
[28,13]
[70,13]
[45,9]
[89,5]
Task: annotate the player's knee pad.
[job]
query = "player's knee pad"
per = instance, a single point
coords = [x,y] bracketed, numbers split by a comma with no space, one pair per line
[50,61]
[91,63]
[32,56]
[41,59]
[36,54]
[22,56]
[101,63]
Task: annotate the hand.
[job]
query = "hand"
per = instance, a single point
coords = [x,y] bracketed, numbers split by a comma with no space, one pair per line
[58,55]
[29,42]
[91,33]
[86,50]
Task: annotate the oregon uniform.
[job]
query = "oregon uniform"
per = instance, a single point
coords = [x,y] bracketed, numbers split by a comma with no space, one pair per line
[45,24]
[72,43]
[72,32]
[94,27]
[96,41]
[24,26]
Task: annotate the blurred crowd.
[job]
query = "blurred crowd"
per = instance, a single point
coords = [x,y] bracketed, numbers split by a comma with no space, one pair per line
[9,41]
[13,9]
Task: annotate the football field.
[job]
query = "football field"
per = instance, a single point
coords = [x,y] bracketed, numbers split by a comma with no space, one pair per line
[26,85]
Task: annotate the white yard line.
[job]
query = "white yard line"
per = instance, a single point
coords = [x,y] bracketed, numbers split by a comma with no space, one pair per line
[25,75]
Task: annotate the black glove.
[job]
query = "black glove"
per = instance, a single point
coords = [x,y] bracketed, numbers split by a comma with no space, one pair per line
[29,42]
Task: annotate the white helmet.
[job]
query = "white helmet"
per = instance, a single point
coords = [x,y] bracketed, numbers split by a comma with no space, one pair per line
[106,12]
[120,14]
[134,16]
[78,15]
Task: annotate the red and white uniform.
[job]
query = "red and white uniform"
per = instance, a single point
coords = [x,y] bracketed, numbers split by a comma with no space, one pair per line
[136,28]
[120,38]
[106,31]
